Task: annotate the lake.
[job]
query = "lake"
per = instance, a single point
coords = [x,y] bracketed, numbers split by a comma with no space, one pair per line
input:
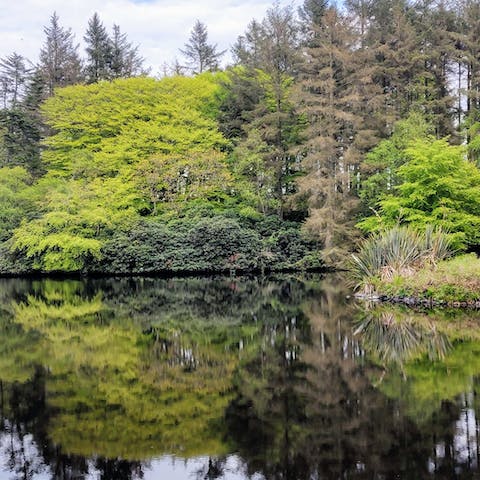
[282,377]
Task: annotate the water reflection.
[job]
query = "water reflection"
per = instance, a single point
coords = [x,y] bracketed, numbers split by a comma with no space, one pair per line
[281,378]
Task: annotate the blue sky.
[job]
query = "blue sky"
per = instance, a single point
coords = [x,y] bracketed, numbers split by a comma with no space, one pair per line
[159,26]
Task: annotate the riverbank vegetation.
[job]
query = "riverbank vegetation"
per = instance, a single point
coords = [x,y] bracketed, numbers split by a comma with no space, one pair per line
[402,264]
[328,125]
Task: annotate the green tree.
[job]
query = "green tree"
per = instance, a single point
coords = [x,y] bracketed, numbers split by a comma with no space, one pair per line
[14,75]
[99,51]
[119,149]
[380,167]
[125,60]
[438,187]
[268,56]
[201,55]
[20,139]
[15,202]
[59,60]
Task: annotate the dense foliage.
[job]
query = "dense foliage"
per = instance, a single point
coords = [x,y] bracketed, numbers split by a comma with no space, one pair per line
[330,122]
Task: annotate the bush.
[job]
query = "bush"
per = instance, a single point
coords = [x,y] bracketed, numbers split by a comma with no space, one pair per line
[207,244]
[398,251]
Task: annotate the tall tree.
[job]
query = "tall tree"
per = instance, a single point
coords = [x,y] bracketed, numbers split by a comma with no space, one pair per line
[468,58]
[99,51]
[125,60]
[331,99]
[13,77]
[59,60]
[268,55]
[200,54]
[361,12]
[247,50]
[19,125]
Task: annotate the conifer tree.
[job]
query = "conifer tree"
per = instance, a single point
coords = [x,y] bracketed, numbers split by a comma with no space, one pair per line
[19,127]
[13,77]
[99,51]
[59,61]
[468,58]
[332,105]
[201,55]
[125,60]
[269,55]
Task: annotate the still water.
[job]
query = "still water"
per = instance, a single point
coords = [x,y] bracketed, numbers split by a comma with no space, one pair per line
[246,378]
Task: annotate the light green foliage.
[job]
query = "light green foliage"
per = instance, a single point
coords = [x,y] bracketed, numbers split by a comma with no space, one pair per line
[170,181]
[127,120]
[78,215]
[118,149]
[438,187]
[14,198]
[381,164]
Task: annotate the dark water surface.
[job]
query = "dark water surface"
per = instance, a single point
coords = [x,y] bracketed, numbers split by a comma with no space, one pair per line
[194,378]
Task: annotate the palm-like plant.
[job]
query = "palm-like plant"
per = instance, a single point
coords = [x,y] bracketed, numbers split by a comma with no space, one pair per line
[398,251]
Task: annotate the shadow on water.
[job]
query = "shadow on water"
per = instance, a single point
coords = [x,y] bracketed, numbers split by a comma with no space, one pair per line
[244,378]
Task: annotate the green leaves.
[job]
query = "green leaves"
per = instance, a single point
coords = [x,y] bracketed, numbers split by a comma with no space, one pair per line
[435,185]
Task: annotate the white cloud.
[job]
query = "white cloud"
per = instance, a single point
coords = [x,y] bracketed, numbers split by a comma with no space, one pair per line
[161,27]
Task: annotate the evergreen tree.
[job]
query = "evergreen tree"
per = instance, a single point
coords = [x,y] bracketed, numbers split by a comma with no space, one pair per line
[20,139]
[361,12]
[59,61]
[125,60]
[201,55]
[435,27]
[13,77]
[99,51]
[468,58]
[268,56]
[19,125]
[247,50]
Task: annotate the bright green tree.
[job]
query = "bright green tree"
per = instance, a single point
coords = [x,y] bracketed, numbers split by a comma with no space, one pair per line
[439,187]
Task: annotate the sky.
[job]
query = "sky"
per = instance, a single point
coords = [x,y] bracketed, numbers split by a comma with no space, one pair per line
[160,27]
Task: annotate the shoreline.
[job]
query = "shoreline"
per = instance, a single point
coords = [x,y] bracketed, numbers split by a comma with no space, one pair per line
[412,301]
[161,273]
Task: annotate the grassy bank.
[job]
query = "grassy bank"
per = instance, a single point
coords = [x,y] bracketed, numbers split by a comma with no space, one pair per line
[403,264]
[452,281]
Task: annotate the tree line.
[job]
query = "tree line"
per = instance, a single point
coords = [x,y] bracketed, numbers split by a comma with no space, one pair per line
[331,121]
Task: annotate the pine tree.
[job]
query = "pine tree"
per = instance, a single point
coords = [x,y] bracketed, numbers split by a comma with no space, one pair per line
[19,127]
[59,61]
[332,103]
[468,58]
[435,27]
[201,55]
[99,51]
[125,60]
[269,56]
[247,50]
[13,77]
[361,12]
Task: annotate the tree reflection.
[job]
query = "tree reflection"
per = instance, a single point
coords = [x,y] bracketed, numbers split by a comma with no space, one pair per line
[101,377]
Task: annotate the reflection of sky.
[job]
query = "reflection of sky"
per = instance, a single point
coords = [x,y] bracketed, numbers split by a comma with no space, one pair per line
[172,468]
[28,463]
[465,440]
[24,453]
[22,459]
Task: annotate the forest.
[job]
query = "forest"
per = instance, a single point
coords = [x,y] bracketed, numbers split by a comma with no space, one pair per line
[329,124]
